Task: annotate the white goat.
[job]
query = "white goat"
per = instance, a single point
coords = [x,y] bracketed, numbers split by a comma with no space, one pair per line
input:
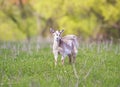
[66,46]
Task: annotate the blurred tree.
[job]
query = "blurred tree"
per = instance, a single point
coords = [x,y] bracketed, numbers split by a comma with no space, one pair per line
[108,17]
[69,15]
[20,12]
[87,18]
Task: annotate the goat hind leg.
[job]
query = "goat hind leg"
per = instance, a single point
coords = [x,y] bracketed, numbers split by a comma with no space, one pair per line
[70,58]
[75,54]
[62,59]
[74,58]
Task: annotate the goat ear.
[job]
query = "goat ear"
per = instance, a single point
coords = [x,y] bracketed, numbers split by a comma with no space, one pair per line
[52,30]
[61,31]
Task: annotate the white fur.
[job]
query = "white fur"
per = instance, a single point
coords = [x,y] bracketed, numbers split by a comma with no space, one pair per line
[66,46]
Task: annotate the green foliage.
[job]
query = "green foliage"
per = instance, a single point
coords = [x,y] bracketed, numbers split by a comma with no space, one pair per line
[81,17]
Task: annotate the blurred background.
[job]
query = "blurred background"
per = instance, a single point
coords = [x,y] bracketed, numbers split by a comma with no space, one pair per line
[88,19]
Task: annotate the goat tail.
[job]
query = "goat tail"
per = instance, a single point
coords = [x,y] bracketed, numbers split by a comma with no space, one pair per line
[76,43]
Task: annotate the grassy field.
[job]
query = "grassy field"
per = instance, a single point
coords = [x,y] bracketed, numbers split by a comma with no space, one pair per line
[23,65]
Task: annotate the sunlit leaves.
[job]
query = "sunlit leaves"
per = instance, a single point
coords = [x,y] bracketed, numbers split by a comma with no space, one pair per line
[80,17]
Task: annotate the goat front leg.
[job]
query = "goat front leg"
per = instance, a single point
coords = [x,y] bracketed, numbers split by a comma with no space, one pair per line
[55,57]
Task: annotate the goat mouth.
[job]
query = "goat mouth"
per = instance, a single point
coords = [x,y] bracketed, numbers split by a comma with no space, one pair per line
[58,40]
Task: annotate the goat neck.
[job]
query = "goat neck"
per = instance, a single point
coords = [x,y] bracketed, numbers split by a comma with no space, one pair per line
[56,44]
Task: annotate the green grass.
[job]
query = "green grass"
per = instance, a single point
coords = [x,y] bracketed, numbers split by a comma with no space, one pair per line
[21,65]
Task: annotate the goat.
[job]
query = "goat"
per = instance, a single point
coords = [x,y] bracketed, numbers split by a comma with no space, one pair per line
[66,46]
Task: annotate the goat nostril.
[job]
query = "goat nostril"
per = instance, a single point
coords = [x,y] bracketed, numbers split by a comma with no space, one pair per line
[57,39]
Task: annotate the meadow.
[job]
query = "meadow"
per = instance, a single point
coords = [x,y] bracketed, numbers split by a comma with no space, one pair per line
[32,65]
